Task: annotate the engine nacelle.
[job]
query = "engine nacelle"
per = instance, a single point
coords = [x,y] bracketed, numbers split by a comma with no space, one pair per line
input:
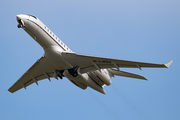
[73,71]
[79,84]
[103,76]
[75,80]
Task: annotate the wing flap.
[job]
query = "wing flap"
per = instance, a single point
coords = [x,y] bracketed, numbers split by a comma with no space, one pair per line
[126,74]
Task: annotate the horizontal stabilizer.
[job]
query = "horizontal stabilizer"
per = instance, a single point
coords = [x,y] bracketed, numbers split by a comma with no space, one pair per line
[126,74]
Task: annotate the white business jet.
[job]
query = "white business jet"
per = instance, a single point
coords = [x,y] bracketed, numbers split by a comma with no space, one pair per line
[59,61]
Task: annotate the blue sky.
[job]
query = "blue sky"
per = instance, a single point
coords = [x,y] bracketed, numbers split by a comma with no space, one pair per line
[139,30]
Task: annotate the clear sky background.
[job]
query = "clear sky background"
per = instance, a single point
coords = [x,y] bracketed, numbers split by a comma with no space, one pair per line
[139,30]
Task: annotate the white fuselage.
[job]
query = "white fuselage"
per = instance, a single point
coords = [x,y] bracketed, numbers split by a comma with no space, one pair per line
[54,47]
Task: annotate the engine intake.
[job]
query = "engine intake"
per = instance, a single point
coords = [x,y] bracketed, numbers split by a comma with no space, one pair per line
[73,71]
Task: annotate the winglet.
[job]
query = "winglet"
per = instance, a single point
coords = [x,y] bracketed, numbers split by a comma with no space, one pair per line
[168,64]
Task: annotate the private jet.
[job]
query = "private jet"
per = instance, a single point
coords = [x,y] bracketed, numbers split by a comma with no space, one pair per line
[60,61]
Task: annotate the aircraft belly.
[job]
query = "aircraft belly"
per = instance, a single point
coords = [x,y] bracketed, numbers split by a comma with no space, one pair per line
[54,56]
[44,39]
[33,30]
[39,35]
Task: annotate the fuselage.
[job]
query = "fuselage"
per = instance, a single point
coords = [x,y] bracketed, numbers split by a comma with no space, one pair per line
[54,47]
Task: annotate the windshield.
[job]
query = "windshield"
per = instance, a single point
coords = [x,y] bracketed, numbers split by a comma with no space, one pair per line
[32,16]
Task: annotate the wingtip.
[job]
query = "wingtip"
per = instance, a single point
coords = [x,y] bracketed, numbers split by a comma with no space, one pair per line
[143,78]
[10,90]
[168,64]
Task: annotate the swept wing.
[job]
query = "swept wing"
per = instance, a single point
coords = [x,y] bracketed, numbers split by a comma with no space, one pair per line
[41,69]
[91,63]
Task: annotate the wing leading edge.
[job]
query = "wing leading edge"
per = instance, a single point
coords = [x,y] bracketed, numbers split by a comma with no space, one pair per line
[91,63]
[39,71]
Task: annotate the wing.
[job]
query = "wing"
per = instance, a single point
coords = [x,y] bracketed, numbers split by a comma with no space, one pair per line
[91,63]
[43,69]
[40,70]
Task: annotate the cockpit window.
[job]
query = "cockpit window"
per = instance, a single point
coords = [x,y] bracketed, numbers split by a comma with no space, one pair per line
[32,16]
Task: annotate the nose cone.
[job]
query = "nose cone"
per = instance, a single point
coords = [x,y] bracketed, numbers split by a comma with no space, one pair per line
[21,21]
[19,17]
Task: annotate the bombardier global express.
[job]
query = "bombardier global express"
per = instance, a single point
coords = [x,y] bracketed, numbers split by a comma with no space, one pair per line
[60,61]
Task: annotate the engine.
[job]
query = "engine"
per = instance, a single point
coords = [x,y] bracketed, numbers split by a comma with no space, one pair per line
[101,77]
[75,79]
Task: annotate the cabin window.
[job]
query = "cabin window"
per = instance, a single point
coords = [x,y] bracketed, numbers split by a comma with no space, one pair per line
[33,16]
